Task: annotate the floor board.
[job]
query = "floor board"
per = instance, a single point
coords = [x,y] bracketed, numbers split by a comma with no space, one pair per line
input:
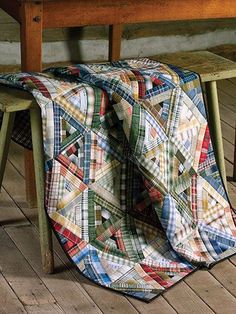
[9,300]
[67,291]
[212,292]
[25,283]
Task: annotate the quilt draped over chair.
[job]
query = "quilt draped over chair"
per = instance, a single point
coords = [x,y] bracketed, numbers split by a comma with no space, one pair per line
[132,187]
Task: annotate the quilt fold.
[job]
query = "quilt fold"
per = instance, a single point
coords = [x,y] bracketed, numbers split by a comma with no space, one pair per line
[133,191]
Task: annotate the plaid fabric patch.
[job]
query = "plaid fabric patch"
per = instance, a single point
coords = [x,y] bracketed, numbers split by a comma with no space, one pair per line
[132,186]
[21,131]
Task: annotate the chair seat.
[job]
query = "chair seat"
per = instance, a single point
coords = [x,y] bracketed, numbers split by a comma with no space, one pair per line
[12,99]
[210,66]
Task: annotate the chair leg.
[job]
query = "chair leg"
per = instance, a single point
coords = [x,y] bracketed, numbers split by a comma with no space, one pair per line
[214,120]
[44,226]
[5,139]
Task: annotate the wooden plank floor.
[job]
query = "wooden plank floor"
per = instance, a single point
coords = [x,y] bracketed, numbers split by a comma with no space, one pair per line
[25,289]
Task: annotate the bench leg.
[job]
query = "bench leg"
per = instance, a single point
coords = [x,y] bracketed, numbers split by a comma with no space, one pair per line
[30,179]
[214,119]
[115,35]
[234,165]
[44,226]
[5,139]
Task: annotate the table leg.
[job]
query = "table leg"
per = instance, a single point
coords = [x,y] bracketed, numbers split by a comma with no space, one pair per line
[115,33]
[31,60]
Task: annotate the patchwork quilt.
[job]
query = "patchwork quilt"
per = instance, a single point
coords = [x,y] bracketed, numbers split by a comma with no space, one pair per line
[133,191]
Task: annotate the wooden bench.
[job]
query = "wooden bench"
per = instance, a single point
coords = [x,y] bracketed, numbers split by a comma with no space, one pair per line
[211,68]
[12,101]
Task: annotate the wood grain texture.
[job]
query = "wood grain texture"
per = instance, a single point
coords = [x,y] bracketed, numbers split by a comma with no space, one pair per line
[233,260]
[212,292]
[31,60]
[9,301]
[10,214]
[226,97]
[228,132]
[228,115]
[229,150]
[106,12]
[24,282]
[31,36]
[43,308]
[185,300]
[210,66]
[232,194]
[10,29]
[69,294]
[225,273]
[44,226]
[115,34]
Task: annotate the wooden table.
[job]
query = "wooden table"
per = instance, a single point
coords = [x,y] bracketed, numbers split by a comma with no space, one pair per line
[34,16]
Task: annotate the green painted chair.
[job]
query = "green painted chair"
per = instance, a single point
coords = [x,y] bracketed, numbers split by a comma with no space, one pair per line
[211,68]
[11,101]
